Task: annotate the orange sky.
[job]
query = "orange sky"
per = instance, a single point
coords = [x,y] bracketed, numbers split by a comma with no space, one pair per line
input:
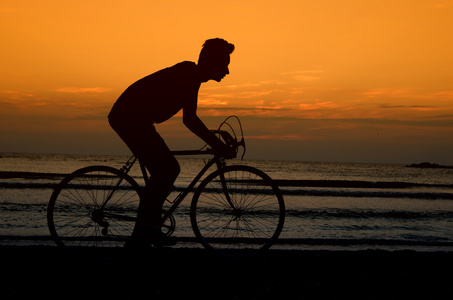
[348,80]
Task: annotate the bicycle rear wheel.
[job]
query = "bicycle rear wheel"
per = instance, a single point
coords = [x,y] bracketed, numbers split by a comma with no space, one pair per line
[237,211]
[93,211]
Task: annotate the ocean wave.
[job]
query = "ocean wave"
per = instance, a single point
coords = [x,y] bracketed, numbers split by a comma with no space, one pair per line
[279,182]
[315,188]
[294,192]
[363,241]
[30,175]
[27,185]
[330,213]
[357,184]
[369,194]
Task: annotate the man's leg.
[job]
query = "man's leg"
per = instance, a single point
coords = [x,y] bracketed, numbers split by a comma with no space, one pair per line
[151,151]
[163,169]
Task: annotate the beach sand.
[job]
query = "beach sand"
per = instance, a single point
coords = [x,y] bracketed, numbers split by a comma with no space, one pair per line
[44,271]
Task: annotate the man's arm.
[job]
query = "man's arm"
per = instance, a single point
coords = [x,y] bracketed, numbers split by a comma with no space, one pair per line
[197,127]
[191,120]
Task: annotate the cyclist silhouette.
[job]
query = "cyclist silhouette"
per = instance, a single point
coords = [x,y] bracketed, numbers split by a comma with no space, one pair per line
[153,100]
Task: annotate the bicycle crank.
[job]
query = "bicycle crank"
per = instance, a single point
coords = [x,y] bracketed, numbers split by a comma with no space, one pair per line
[168,225]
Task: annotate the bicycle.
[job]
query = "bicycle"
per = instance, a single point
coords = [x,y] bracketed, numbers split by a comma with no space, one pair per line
[236,210]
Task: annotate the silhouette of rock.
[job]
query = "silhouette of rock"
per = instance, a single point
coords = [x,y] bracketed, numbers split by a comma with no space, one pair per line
[429,165]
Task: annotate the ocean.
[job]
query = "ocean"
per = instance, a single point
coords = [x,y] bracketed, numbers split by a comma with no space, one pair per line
[329,205]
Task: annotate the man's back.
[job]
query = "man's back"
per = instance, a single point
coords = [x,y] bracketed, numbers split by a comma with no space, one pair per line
[157,97]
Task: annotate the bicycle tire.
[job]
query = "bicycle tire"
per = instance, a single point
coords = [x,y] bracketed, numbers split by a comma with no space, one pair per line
[252,226]
[76,221]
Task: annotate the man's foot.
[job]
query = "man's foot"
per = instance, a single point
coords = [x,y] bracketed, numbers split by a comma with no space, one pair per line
[144,240]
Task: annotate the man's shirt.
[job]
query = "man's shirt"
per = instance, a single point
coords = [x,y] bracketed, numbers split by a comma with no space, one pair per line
[157,97]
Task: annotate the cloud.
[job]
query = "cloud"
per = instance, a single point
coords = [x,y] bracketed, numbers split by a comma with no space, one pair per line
[393,93]
[443,95]
[76,90]
[407,93]
[253,94]
[405,106]
[304,75]
[318,105]
[287,137]
[17,95]
[21,100]
[209,102]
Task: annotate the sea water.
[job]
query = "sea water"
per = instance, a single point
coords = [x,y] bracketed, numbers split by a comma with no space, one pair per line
[372,205]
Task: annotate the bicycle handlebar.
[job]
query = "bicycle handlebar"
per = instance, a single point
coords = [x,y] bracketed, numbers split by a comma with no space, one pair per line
[230,141]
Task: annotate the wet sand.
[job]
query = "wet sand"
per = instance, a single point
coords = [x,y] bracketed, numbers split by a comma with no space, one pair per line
[42,271]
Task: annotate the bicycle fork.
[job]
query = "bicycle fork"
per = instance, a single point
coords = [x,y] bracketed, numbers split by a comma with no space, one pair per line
[223,181]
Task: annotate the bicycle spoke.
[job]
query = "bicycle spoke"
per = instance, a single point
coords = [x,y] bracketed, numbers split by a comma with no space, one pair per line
[93,207]
[250,224]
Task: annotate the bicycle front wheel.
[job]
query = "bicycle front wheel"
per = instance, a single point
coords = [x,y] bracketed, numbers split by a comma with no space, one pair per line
[237,211]
[93,211]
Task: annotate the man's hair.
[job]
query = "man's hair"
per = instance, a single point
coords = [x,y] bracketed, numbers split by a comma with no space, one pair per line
[214,49]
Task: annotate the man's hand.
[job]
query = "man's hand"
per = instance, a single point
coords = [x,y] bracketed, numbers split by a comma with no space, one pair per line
[225,152]
[195,125]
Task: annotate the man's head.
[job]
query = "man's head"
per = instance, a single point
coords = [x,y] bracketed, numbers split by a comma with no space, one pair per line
[215,58]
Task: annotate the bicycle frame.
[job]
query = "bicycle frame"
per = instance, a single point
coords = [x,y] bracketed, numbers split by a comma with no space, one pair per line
[219,161]
[232,207]
[182,195]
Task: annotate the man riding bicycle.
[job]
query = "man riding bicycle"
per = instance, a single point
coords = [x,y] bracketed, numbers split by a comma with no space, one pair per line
[153,100]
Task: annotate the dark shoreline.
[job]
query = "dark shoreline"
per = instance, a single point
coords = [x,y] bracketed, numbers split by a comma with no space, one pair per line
[34,271]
